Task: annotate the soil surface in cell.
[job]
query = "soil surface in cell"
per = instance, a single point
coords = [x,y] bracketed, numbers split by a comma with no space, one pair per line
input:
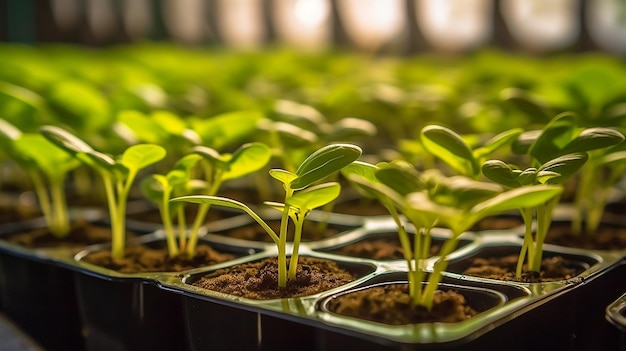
[259,280]
[606,237]
[391,304]
[503,268]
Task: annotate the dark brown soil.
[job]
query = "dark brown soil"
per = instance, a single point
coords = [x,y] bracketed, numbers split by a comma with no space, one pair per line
[81,234]
[379,248]
[311,231]
[503,268]
[259,280]
[391,304]
[142,259]
[607,237]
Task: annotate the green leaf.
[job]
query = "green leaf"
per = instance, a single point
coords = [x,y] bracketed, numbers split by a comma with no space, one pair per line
[65,139]
[532,105]
[501,173]
[450,148]
[565,166]
[524,141]
[360,168]
[42,154]
[139,156]
[145,128]
[528,176]
[98,160]
[228,128]
[247,159]
[8,133]
[290,134]
[211,155]
[594,139]
[554,137]
[461,192]
[323,163]
[515,199]
[187,162]
[497,142]
[350,128]
[283,176]
[614,157]
[80,105]
[297,112]
[315,196]
[402,180]
[152,187]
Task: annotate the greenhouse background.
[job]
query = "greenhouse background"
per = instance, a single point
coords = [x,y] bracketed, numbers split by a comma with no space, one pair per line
[392,26]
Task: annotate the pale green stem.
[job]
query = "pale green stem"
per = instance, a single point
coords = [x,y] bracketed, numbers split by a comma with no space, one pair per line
[116,223]
[200,219]
[293,263]
[167,223]
[527,215]
[583,201]
[594,215]
[182,231]
[282,242]
[405,243]
[61,227]
[42,196]
[119,235]
[544,219]
[440,265]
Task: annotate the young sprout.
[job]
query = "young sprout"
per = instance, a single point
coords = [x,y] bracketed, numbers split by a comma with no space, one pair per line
[48,167]
[301,196]
[218,168]
[160,189]
[455,151]
[556,172]
[604,148]
[117,175]
[429,199]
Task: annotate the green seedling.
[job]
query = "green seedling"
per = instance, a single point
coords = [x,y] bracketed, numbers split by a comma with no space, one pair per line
[555,172]
[301,196]
[118,175]
[455,151]
[605,150]
[48,167]
[160,189]
[218,168]
[428,199]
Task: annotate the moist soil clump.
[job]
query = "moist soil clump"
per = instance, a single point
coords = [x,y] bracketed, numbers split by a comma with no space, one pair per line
[143,258]
[391,304]
[259,280]
[503,268]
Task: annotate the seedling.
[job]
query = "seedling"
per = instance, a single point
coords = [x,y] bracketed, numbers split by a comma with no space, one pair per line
[218,168]
[159,189]
[117,175]
[301,196]
[48,167]
[604,147]
[556,172]
[455,151]
[429,199]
